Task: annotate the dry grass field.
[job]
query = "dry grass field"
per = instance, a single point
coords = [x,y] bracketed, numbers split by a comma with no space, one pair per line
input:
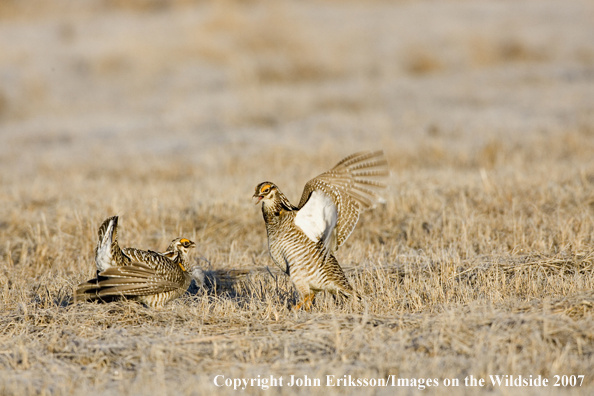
[481,262]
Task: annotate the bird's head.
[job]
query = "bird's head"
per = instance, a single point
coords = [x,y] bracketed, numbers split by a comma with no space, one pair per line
[265,192]
[180,245]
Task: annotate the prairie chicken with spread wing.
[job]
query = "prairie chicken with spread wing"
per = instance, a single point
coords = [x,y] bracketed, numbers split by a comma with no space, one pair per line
[108,253]
[302,239]
[151,278]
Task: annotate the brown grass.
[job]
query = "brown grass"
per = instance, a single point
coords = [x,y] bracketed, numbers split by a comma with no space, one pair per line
[480,262]
[459,279]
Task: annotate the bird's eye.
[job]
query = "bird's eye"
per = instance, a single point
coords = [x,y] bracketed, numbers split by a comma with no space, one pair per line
[266,190]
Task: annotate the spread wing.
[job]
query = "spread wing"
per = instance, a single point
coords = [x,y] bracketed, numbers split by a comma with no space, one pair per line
[135,279]
[333,201]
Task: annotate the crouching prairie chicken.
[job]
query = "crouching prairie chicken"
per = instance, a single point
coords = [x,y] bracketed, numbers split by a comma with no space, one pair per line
[302,239]
[143,275]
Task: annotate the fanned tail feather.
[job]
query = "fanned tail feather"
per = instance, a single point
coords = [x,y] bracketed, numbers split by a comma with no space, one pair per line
[107,235]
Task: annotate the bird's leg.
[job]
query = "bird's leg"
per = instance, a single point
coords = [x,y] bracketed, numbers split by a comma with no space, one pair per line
[306,302]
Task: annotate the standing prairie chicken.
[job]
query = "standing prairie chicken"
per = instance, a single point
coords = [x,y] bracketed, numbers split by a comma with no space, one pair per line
[302,239]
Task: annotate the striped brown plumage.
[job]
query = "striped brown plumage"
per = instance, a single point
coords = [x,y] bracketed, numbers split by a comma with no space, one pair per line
[302,239]
[108,252]
[149,277]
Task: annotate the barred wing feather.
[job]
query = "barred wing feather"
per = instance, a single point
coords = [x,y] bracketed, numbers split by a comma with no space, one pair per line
[353,186]
[135,279]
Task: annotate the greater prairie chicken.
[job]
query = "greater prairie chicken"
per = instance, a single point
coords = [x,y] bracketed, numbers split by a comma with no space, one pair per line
[149,277]
[302,239]
[108,253]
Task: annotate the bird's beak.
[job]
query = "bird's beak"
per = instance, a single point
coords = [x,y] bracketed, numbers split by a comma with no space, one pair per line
[259,198]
